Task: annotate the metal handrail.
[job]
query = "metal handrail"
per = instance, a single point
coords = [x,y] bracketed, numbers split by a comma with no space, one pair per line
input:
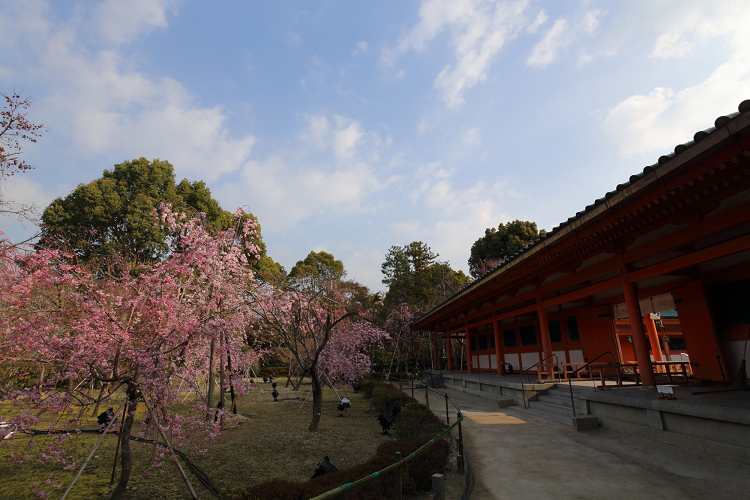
[525,372]
[400,463]
[460,440]
[570,378]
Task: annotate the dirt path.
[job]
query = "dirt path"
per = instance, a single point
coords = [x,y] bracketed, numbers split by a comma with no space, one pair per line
[521,456]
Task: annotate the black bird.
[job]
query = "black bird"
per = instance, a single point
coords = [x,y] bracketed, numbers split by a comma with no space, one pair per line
[105,418]
[396,408]
[324,467]
[386,421]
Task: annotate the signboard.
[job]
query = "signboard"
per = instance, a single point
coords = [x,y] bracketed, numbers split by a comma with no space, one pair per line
[665,391]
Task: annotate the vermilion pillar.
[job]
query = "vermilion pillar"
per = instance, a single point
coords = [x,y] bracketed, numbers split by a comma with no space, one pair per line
[654,338]
[645,367]
[448,352]
[468,353]
[544,331]
[498,358]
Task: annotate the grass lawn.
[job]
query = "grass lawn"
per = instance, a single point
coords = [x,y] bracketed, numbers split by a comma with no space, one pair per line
[269,440]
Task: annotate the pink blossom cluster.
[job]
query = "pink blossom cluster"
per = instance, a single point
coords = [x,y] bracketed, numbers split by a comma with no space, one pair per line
[74,337]
[313,322]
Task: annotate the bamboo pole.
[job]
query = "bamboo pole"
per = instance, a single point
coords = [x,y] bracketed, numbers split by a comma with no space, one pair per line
[171,450]
[117,449]
[91,454]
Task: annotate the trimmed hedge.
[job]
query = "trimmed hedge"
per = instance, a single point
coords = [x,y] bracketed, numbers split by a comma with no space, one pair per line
[417,475]
[385,395]
[280,371]
[417,420]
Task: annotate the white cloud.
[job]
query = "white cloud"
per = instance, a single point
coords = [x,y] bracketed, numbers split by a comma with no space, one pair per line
[346,137]
[591,21]
[545,51]
[340,134]
[19,191]
[301,182]
[105,105]
[472,137]
[121,21]
[479,30]
[317,132]
[541,18]
[456,217]
[665,117]
[361,48]
[20,188]
[562,34]
[671,45]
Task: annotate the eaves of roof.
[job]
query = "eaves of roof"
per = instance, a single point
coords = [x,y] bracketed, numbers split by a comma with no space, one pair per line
[724,127]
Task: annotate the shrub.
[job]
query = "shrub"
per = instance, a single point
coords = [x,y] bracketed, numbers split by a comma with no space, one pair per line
[417,475]
[280,371]
[385,395]
[417,420]
[423,466]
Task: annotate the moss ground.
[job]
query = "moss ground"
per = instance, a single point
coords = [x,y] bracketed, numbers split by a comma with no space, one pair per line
[268,440]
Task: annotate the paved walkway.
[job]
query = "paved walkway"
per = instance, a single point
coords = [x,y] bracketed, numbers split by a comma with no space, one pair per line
[520,456]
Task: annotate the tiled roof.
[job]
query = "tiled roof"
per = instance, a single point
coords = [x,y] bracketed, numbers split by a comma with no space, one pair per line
[697,137]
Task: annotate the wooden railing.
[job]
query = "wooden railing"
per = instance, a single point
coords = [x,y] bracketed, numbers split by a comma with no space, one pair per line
[576,371]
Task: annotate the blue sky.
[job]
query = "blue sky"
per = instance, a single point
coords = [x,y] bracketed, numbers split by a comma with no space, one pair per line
[350,127]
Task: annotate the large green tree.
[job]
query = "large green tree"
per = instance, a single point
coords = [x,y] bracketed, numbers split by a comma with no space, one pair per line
[113,215]
[322,265]
[497,245]
[415,277]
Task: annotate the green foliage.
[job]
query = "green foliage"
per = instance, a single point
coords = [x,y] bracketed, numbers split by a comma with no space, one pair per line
[415,277]
[322,265]
[360,299]
[417,420]
[431,461]
[280,371]
[112,215]
[498,244]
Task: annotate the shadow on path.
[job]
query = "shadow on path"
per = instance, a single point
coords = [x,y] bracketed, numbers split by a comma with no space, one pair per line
[521,456]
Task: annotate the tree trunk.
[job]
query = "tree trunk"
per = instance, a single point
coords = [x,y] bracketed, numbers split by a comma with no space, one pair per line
[231,385]
[317,391]
[210,391]
[222,390]
[126,459]
[299,381]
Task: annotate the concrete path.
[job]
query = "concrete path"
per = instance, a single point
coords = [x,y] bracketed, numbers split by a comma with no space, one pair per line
[520,456]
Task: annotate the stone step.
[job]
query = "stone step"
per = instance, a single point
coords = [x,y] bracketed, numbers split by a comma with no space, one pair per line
[562,411]
[555,399]
[543,414]
[565,393]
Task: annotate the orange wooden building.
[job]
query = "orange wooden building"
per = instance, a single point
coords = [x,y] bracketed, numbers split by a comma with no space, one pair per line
[675,237]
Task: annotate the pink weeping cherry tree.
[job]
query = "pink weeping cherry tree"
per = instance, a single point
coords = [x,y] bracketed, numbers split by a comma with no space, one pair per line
[73,339]
[310,318]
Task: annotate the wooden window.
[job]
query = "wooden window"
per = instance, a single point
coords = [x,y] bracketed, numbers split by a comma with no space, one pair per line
[555,332]
[572,324]
[509,337]
[528,335]
[483,342]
